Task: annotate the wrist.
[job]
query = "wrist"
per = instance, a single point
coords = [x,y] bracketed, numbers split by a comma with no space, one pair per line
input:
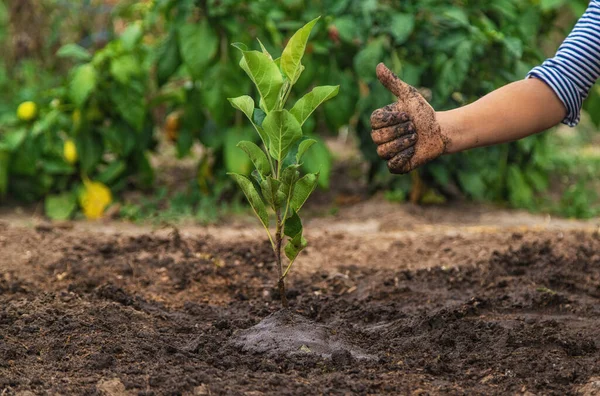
[452,130]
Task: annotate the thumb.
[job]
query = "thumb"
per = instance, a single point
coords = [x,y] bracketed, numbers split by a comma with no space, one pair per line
[392,82]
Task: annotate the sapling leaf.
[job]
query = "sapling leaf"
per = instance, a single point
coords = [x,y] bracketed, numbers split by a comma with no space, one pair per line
[265,75]
[306,105]
[283,130]
[253,197]
[302,190]
[257,156]
[295,246]
[257,177]
[294,51]
[293,225]
[264,50]
[259,117]
[246,105]
[303,147]
[241,46]
[288,179]
[293,229]
[271,191]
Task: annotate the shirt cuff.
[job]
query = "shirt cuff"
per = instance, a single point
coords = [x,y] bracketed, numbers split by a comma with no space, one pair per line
[566,91]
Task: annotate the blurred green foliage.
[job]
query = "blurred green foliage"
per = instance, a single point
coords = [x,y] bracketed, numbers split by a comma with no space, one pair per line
[109,88]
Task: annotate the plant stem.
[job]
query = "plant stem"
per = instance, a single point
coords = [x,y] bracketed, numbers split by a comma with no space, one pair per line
[288,269]
[281,282]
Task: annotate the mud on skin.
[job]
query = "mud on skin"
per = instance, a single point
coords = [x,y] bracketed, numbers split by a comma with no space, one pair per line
[101,308]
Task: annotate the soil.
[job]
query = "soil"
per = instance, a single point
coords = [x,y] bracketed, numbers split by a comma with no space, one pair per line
[451,304]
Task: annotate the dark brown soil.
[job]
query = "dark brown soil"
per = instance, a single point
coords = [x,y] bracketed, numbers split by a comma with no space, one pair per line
[109,314]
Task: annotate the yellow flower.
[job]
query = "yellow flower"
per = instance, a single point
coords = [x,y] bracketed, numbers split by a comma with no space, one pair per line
[94,199]
[70,151]
[27,111]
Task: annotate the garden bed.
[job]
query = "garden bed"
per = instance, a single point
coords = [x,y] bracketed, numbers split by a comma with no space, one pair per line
[84,312]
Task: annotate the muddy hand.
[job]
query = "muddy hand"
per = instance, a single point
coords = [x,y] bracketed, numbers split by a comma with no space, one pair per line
[406,133]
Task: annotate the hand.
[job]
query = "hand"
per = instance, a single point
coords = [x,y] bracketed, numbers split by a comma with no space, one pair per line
[406,133]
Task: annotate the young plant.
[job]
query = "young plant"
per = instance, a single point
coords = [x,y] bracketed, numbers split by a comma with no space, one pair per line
[276,182]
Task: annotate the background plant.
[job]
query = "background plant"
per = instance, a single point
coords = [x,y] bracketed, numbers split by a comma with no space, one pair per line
[276,182]
[176,67]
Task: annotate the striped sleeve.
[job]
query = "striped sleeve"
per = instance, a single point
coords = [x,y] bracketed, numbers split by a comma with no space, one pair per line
[576,66]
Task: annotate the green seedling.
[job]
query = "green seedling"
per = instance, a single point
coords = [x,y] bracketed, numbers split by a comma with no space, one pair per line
[276,190]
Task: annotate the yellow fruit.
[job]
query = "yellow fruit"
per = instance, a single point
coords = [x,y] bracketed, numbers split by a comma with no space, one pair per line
[70,151]
[94,199]
[27,111]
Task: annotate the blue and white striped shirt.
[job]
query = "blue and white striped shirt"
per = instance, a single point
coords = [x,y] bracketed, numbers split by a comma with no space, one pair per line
[576,66]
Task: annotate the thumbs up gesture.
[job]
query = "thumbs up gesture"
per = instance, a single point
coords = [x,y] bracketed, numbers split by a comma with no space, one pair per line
[406,132]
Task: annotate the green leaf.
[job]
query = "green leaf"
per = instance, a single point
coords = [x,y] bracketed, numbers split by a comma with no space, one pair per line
[265,75]
[293,225]
[124,68]
[472,183]
[302,190]
[263,49]
[294,51]
[457,15]
[132,36]
[74,51]
[89,149]
[259,117]
[547,5]
[271,190]
[60,207]
[295,246]
[112,172]
[514,46]
[130,103]
[401,26]
[347,28]
[318,160]
[283,130]
[168,58]
[367,59]
[592,105]
[306,105]
[12,139]
[198,45]
[83,83]
[257,156]
[246,105]
[235,161]
[303,147]
[256,202]
[520,193]
[288,180]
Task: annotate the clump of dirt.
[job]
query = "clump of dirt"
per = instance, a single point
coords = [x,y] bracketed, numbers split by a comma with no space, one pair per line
[80,314]
[286,334]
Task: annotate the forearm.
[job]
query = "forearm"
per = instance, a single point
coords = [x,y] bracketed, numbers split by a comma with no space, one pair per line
[510,113]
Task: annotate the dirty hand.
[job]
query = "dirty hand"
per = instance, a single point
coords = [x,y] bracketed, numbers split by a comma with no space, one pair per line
[406,132]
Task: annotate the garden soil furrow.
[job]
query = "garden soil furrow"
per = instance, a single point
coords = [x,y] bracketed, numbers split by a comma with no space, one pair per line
[85,312]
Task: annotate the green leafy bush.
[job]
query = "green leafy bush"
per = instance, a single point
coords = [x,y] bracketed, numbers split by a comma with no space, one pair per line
[95,126]
[179,59]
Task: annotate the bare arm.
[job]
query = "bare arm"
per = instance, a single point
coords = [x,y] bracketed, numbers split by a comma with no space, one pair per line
[510,113]
[409,133]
